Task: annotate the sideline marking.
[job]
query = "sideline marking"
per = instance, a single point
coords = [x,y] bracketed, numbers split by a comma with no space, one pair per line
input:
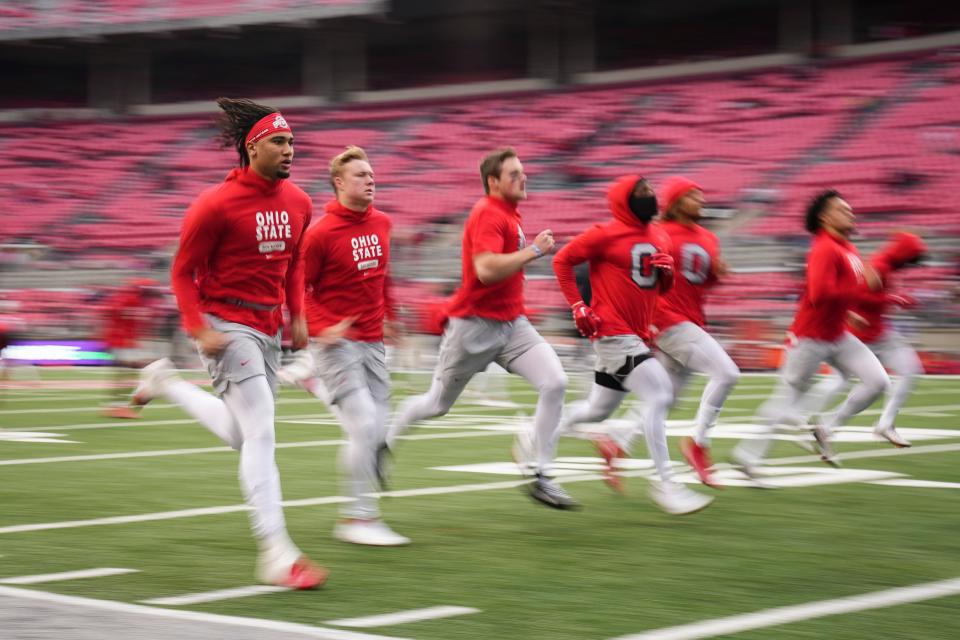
[67,575]
[401,617]
[213,596]
[194,616]
[797,613]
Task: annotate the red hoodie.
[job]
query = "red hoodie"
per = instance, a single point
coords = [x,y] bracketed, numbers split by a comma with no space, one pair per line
[346,257]
[902,249]
[240,241]
[695,252]
[625,286]
[834,283]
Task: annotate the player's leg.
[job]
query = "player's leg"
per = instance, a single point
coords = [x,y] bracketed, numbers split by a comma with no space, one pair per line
[855,360]
[158,379]
[527,354]
[649,380]
[467,347]
[822,394]
[900,358]
[801,362]
[599,405]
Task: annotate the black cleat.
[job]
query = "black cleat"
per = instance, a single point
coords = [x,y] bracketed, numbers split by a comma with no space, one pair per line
[546,491]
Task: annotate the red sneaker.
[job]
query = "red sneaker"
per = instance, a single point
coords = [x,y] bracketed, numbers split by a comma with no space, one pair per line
[610,451]
[127,413]
[304,575]
[699,458]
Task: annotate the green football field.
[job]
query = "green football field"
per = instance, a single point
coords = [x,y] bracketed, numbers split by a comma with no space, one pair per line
[871,550]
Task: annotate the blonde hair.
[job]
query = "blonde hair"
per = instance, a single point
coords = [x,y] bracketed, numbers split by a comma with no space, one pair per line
[345,157]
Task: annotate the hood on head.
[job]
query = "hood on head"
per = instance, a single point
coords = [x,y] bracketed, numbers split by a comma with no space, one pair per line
[902,249]
[618,196]
[674,188]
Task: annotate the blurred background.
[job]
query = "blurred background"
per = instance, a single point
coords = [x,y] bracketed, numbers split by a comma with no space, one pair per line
[107,135]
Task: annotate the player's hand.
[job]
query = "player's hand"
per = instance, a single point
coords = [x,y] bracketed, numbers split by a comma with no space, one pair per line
[545,242]
[210,341]
[587,321]
[392,332]
[857,321]
[902,300]
[872,277]
[335,332]
[662,261]
[721,268]
[299,336]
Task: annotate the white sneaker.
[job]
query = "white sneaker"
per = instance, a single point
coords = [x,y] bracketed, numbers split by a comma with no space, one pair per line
[676,499]
[374,533]
[300,368]
[890,435]
[153,378]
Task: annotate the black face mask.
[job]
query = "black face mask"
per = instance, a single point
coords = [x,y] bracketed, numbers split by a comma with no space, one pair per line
[644,207]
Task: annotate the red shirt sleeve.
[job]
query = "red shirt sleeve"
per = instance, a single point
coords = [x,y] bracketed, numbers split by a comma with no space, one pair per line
[199,236]
[489,234]
[389,301]
[295,274]
[582,248]
[822,282]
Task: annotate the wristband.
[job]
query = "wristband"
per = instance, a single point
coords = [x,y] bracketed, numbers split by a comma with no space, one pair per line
[537,250]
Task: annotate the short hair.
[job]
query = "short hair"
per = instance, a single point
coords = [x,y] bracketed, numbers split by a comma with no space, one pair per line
[345,157]
[816,207]
[492,165]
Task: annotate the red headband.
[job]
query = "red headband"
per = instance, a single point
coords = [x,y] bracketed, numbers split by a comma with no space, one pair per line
[273,123]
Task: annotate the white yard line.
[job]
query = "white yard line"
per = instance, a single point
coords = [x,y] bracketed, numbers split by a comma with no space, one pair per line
[923,484]
[214,596]
[797,613]
[295,629]
[67,575]
[155,423]
[403,617]
[157,453]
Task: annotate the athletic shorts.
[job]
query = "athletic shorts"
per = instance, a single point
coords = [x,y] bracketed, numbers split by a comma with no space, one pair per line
[678,342]
[249,353]
[348,366]
[617,357]
[470,344]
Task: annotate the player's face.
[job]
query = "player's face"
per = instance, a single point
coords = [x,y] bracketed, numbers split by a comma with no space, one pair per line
[272,157]
[691,204]
[355,184]
[643,189]
[838,216]
[512,184]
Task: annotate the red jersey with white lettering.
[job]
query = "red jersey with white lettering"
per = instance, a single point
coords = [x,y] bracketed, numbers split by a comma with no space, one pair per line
[239,253]
[346,256]
[695,252]
[625,286]
[834,283]
[493,226]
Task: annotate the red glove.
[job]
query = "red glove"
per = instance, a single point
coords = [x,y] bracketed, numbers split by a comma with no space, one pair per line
[588,322]
[662,261]
[901,300]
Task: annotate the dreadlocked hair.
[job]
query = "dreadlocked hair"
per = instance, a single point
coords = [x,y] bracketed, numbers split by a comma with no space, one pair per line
[237,118]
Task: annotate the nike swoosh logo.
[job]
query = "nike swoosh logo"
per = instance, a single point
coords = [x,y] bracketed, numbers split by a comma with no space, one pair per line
[244,363]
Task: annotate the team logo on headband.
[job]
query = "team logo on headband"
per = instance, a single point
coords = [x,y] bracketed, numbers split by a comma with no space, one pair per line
[280,123]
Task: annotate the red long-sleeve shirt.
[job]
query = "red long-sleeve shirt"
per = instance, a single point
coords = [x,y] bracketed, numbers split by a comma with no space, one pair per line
[240,241]
[625,285]
[695,253]
[493,226]
[834,284]
[874,305]
[346,257]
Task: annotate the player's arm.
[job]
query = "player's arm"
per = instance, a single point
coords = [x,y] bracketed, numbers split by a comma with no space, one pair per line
[577,251]
[663,261]
[295,286]
[493,267]
[823,282]
[199,236]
